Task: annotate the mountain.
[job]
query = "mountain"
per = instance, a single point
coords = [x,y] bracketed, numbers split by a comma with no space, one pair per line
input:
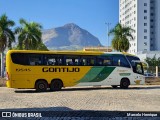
[69,36]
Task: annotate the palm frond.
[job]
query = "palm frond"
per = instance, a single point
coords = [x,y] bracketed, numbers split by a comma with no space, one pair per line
[30,34]
[6,34]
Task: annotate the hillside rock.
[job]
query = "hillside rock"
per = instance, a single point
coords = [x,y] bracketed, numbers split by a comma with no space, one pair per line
[69,36]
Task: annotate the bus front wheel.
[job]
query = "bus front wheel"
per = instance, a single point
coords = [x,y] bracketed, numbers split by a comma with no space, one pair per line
[41,86]
[124,83]
[56,85]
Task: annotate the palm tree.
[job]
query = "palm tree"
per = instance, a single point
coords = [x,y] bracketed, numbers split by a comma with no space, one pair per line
[120,40]
[29,35]
[6,37]
[115,44]
[41,46]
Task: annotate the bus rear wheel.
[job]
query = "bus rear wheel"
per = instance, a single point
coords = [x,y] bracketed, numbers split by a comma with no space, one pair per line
[56,85]
[124,83]
[41,86]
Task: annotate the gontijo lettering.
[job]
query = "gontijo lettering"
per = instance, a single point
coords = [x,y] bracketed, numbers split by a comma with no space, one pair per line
[60,69]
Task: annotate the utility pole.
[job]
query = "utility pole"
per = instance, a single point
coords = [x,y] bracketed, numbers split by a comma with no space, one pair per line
[108,24]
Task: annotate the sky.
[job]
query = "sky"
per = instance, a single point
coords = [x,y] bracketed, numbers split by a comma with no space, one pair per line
[90,15]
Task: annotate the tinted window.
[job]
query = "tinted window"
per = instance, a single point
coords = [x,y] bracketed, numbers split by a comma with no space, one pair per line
[72,60]
[54,60]
[120,60]
[104,61]
[88,60]
[35,59]
[131,59]
[20,58]
[27,59]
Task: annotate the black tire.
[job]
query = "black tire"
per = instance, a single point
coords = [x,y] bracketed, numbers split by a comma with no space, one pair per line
[41,86]
[114,86]
[56,85]
[124,83]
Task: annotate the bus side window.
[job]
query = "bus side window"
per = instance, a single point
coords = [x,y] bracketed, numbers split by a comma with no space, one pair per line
[23,60]
[99,61]
[120,60]
[35,59]
[83,62]
[104,60]
[107,61]
[91,62]
[49,60]
[69,62]
[59,61]
[72,60]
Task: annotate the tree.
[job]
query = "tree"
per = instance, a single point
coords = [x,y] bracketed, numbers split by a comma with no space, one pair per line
[153,62]
[115,44]
[120,40]
[6,37]
[29,35]
[41,46]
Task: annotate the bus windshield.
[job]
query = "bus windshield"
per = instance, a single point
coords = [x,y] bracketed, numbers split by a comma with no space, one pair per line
[137,66]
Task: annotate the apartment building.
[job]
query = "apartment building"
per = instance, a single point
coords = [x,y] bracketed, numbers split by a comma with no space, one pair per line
[144,17]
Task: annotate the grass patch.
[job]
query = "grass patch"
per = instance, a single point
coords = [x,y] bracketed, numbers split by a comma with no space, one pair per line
[2,82]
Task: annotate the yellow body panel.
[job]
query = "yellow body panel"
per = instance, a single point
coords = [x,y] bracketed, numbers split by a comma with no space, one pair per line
[26,79]
[23,76]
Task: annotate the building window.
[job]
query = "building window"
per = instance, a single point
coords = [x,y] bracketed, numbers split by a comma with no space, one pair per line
[145,4]
[145,24]
[151,26]
[145,43]
[152,14]
[145,30]
[145,17]
[145,37]
[152,20]
[145,11]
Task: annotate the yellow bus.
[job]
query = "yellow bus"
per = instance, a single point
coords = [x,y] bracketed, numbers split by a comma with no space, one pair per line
[41,70]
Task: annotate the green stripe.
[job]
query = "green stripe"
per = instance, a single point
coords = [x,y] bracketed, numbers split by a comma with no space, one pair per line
[92,73]
[103,74]
[97,74]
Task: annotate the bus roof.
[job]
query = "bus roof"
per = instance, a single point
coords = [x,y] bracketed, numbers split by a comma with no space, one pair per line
[63,52]
[125,53]
[68,52]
